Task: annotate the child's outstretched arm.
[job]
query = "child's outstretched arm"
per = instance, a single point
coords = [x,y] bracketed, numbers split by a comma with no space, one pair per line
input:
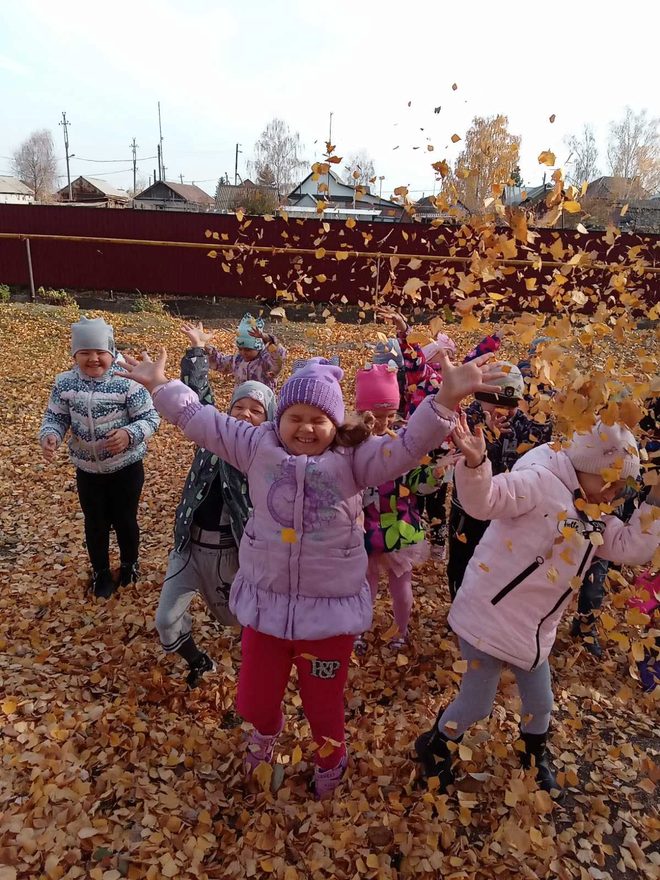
[380,459]
[232,440]
[56,422]
[634,542]
[273,353]
[222,363]
[483,496]
[195,363]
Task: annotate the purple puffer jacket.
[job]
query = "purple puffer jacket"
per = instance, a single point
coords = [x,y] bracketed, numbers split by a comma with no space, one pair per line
[303,563]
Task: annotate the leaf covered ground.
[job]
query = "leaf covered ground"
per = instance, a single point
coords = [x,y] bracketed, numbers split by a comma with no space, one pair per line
[111,768]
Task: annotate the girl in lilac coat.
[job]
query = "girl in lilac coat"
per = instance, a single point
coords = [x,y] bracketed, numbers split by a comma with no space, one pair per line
[301,591]
[550,516]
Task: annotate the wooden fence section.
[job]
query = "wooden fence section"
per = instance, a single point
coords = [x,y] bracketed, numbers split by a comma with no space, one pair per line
[253,257]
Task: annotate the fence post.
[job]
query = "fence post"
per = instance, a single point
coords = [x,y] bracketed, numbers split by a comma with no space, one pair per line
[29,260]
[377,285]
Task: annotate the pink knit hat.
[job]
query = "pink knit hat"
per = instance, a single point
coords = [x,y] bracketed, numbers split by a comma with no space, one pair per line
[605,446]
[376,387]
[317,384]
[442,343]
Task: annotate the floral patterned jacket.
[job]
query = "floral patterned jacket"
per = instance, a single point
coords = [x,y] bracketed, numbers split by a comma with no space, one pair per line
[391,514]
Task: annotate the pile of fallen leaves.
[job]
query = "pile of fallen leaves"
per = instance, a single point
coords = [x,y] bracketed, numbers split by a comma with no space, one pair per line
[111,768]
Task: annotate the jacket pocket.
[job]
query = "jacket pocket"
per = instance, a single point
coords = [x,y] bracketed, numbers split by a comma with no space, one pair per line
[518,579]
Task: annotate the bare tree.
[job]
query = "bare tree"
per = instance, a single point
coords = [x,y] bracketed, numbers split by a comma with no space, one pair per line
[489,158]
[140,184]
[277,157]
[35,164]
[633,151]
[359,169]
[583,158]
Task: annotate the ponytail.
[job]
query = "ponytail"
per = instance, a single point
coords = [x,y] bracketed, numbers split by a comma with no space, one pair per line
[355,430]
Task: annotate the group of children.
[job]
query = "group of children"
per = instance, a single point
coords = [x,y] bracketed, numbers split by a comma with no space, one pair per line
[283,491]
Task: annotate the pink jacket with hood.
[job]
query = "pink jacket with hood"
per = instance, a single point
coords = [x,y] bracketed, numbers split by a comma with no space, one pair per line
[302,557]
[534,553]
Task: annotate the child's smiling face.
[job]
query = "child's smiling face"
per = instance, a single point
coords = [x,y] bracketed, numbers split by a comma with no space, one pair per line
[306,430]
[248,354]
[93,362]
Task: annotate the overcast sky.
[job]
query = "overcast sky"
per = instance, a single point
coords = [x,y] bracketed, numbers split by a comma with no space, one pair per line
[222,69]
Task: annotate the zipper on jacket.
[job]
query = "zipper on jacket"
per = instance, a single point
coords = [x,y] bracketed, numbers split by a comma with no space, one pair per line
[543,620]
[558,603]
[92,431]
[517,580]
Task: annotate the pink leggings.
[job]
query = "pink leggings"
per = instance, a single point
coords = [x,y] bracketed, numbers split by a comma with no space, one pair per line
[400,590]
[322,670]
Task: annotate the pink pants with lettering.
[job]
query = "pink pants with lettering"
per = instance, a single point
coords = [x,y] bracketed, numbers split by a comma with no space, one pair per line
[322,671]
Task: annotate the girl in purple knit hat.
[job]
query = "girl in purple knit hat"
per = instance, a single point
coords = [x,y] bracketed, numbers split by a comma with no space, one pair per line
[301,591]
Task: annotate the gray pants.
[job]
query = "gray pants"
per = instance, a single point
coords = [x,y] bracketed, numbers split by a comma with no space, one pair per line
[208,572]
[479,686]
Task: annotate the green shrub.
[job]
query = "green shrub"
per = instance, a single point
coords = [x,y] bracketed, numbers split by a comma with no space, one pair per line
[55,297]
[4,293]
[151,304]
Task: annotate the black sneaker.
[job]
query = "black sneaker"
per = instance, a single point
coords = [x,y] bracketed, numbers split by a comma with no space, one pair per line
[197,670]
[103,584]
[128,571]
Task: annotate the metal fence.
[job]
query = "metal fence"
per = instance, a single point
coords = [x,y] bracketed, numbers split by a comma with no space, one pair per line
[318,260]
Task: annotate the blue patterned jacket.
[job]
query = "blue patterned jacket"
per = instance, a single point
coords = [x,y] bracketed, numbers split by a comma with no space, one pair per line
[91,409]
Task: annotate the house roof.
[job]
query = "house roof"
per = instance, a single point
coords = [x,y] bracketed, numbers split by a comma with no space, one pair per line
[189,192]
[14,186]
[612,188]
[101,185]
[347,196]
[226,193]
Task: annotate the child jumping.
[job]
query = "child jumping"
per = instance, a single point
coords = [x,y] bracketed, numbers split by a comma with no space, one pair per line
[260,355]
[209,520]
[110,418]
[394,536]
[547,523]
[301,592]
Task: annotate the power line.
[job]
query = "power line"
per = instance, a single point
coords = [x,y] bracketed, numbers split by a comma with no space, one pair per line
[109,161]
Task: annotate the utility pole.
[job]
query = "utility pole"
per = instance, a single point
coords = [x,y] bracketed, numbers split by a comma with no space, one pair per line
[134,147]
[327,195]
[181,177]
[161,166]
[65,125]
[236,165]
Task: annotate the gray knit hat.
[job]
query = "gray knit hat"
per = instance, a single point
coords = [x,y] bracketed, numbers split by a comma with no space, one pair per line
[93,334]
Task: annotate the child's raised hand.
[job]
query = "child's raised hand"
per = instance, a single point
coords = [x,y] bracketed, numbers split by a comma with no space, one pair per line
[198,336]
[458,382]
[149,373]
[256,333]
[444,462]
[473,446]
[386,313]
[497,422]
[49,446]
[117,441]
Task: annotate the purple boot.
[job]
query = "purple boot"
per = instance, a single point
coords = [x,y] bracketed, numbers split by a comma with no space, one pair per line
[260,748]
[326,781]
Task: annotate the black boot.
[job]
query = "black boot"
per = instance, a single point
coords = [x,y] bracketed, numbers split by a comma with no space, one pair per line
[103,584]
[435,757]
[537,753]
[128,571]
[197,669]
[584,628]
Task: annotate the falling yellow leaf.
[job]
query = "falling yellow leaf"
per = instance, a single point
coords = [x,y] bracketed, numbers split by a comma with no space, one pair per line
[547,158]
[289,536]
